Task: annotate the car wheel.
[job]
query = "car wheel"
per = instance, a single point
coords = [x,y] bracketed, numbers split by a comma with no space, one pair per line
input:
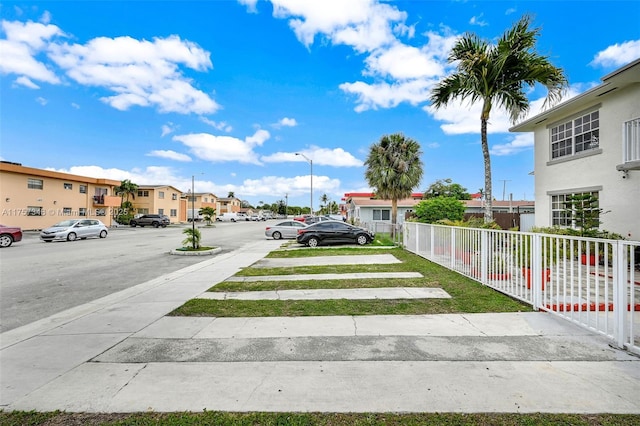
[72,236]
[233,220]
[103,234]
[6,240]
[155,224]
[277,235]
[133,224]
[362,239]
[313,242]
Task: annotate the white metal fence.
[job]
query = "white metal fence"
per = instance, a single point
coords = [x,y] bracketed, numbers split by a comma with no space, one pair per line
[592,282]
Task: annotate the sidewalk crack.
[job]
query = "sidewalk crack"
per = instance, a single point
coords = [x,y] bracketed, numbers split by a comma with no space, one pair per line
[130,380]
[355,325]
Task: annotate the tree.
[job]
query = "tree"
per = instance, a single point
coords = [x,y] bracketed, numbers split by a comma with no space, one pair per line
[497,75]
[193,238]
[394,169]
[231,194]
[446,188]
[439,208]
[125,190]
[584,211]
[281,207]
[208,213]
[324,200]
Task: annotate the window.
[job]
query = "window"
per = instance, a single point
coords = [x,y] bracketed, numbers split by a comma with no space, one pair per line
[173,212]
[191,198]
[83,189]
[381,214]
[66,211]
[161,194]
[143,211]
[101,212]
[631,151]
[174,196]
[575,136]
[161,211]
[143,193]
[82,211]
[67,185]
[34,183]
[559,214]
[34,211]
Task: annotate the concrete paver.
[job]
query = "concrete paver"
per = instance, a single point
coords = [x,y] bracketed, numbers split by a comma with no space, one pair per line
[373,259]
[347,276]
[327,294]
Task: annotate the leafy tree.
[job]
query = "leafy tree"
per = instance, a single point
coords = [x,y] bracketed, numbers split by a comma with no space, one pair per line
[439,208]
[333,207]
[281,207]
[446,188]
[497,74]
[231,194]
[324,199]
[125,190]
[209,213]
[193,238]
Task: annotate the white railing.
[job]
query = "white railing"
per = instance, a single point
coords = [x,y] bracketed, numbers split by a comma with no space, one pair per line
[592,282]
[631,148]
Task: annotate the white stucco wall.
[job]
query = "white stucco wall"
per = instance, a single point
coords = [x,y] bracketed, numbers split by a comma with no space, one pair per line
[619,197]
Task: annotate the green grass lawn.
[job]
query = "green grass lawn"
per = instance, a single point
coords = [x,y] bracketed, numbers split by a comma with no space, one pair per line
[315,419]
[468,296]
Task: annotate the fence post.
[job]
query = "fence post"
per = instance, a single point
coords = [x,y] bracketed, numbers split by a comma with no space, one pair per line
[432,240]
[452,252]
[484,256]
[536,271]
[620,279]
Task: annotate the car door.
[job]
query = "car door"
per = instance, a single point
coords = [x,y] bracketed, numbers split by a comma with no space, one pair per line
[292,228]
[343,232]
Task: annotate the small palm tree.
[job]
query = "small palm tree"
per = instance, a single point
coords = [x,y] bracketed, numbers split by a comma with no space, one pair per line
[208,213]
[125,190]
[324,200]
[497,74]
[193,238]
[394,169]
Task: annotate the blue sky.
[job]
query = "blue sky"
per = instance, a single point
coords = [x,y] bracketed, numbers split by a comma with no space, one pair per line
[228,91]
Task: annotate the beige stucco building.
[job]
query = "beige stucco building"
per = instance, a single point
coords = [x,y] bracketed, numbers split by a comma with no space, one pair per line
[160,199]
[197,201]
[35,198]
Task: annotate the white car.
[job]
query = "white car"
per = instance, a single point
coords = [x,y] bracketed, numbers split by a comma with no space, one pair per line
[73,229]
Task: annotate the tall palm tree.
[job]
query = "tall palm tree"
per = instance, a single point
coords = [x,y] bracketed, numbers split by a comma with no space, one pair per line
[394,169]
[125,190]
[324,199]
[497,74]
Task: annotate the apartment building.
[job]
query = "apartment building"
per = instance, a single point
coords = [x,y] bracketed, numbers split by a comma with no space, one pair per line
[160,199]
[193,203]
[35,198]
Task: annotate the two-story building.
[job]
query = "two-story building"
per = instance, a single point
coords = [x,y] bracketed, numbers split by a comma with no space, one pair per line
[590,144]
[35,198]
[228,205]
[198,201]
[160,199]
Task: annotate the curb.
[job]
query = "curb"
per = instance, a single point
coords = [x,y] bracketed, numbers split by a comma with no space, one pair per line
[196,253]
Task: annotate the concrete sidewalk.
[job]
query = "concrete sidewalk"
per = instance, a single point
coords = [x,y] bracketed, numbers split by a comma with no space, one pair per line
[123,354]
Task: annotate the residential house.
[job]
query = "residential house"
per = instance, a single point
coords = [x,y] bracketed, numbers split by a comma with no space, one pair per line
[36,198]
[591,144]
[193,204]
[160,199]
[228,205]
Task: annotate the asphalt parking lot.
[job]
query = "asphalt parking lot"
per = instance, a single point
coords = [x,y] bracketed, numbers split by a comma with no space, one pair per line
[40,279]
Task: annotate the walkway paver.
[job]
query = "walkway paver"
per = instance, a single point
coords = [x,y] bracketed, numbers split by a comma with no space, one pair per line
[307,277]
[326,294]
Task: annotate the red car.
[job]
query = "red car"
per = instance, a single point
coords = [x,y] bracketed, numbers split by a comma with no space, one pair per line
[9,235]
[302,218]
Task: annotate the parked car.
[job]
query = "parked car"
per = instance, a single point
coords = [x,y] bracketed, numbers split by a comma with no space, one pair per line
[302,218]
[315,219]
[333,232]
[154,220]
[9,235]
[338,217]
[286,229]
[72,229]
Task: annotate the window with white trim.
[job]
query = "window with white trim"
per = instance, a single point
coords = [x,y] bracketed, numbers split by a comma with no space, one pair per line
[35,183]
[559,214]
[381,214]
[174,212]
[575,136]
[143,193]
[67,185]
[83,189]
[161,194]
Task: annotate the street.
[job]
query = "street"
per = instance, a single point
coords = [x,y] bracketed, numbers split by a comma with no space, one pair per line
[39,279]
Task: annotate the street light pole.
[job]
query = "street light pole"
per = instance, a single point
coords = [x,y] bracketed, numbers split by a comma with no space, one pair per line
[310,161]
[193,212]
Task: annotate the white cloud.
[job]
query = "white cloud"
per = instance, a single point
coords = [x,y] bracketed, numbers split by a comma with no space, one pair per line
[23,42]
[218,125]
[75,105]
[361,24]
[293,186]
[618,54]
[42,101]
[433,145]
[402,61]
[250,5]
[521,142]
[336,157]
[286,122]
[168,154]
[218,149]
[386,95]
[26,82]
[168,129]
[477,20]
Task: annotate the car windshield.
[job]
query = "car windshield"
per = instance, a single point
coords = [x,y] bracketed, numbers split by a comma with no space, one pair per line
[65,223]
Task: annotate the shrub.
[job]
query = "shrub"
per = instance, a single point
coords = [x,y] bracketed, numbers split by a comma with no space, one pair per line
[439,208]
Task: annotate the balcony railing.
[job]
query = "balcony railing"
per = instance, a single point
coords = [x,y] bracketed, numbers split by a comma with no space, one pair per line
[631,141]
[592,282]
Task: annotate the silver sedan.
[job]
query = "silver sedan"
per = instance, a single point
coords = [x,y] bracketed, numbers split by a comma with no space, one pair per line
[286,229]
[73,229]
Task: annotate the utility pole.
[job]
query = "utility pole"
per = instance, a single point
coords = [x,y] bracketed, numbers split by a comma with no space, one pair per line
[504,186]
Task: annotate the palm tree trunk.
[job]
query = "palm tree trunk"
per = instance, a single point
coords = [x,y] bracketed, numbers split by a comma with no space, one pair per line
[488,206]
[394,216]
